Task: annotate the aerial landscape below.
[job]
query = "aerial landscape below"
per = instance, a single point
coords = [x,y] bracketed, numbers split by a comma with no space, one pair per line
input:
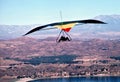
[43,58]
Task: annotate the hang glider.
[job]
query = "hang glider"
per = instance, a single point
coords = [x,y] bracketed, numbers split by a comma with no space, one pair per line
[65,27]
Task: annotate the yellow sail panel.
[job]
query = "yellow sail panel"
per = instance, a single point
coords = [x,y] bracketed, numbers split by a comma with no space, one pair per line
[65,26]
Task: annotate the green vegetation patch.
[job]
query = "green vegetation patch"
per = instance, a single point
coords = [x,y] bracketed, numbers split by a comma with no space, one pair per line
[52,59]
[115,57]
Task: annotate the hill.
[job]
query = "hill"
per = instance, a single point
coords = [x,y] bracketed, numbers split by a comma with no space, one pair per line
[28,47]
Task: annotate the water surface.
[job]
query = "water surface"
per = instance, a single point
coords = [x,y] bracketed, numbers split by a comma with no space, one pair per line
[81,79]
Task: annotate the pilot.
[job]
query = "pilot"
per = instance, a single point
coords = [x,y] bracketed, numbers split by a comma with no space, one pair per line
[63,38]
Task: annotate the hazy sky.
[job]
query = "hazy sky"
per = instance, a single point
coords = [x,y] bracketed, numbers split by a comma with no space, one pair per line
[47,11]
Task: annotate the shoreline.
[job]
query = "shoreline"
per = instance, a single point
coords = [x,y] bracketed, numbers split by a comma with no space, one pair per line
[54,77]
[24,80]
[30,79]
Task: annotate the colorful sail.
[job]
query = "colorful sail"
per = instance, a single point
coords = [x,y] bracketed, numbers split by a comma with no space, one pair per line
[67,25]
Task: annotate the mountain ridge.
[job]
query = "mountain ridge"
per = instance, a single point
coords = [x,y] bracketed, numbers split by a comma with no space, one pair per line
[112,26]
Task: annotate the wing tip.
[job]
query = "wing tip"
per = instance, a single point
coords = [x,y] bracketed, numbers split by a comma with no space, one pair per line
[25,34]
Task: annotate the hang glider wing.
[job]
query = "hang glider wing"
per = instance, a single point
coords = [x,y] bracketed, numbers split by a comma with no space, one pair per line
[67,25]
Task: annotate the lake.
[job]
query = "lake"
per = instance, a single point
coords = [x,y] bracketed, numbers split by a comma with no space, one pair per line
[81,79]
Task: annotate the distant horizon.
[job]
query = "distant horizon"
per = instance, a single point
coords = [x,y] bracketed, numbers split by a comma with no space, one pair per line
[110,30]
[25,12]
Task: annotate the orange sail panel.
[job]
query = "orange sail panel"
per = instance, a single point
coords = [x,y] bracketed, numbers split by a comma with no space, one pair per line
[67,29]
